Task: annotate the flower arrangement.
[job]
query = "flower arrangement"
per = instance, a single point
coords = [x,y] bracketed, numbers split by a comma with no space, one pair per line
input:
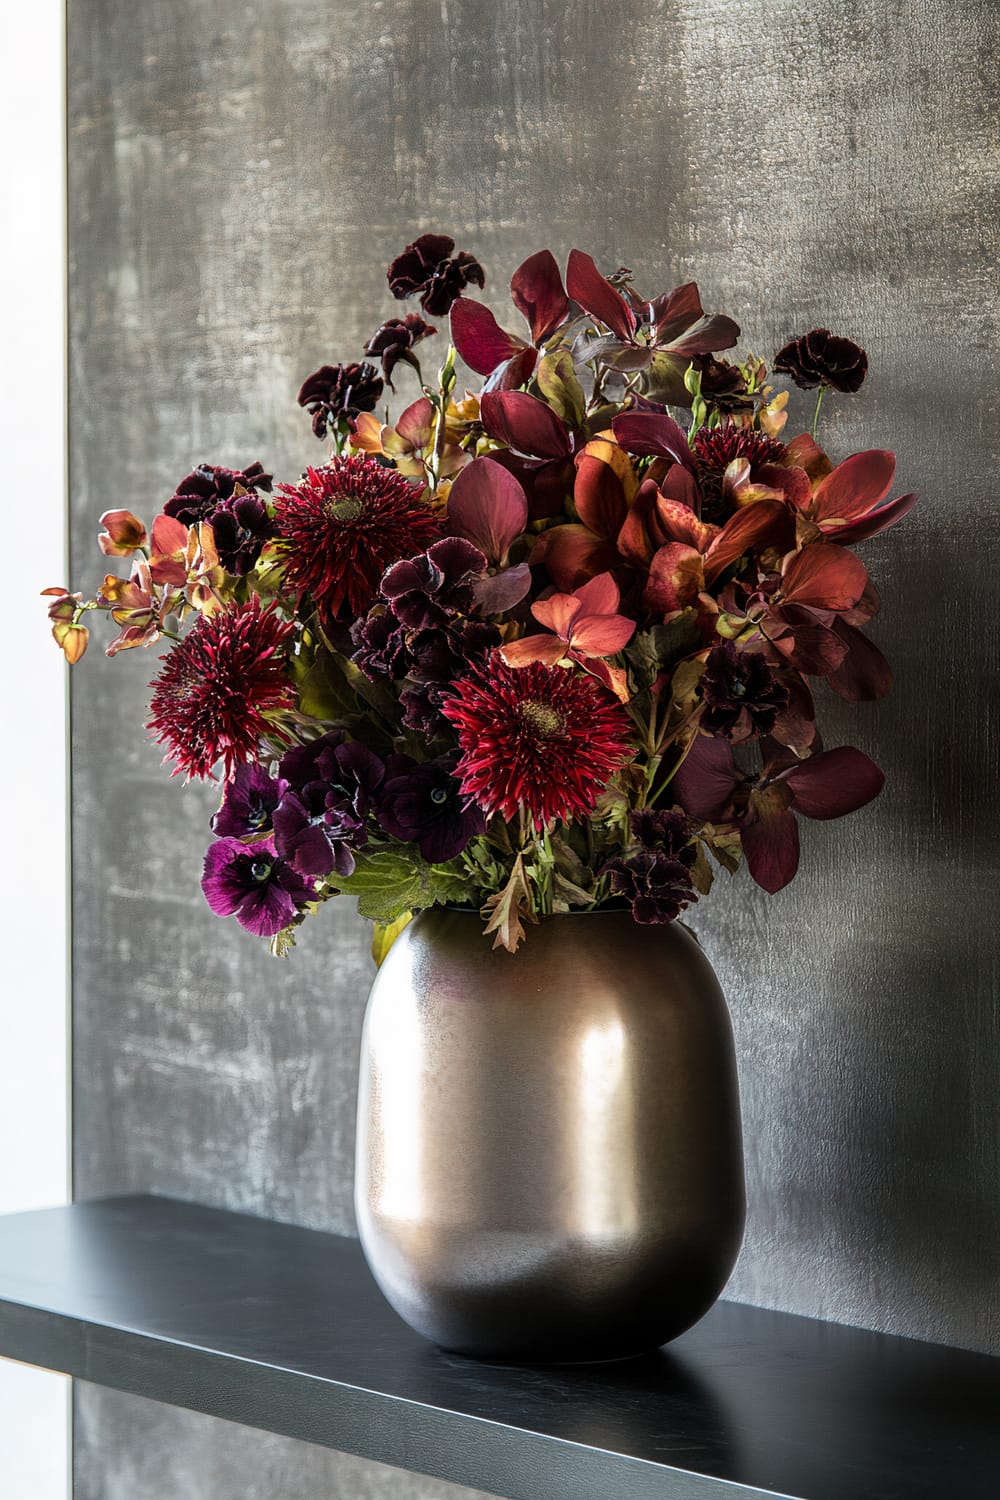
[542,646]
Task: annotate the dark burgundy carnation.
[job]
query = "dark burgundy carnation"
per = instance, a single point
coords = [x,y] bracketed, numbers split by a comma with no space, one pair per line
[249,882]
[336,391]
[208,486]
[428,269]
[742,695]
[381,645]
[423,803]
[723,385]
[657,886]
[394,340]
[821,358]
[248,804]
[655,875]
[424,590]
[241,526]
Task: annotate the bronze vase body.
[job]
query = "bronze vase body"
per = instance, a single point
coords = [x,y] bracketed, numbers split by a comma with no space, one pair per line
[549,1158]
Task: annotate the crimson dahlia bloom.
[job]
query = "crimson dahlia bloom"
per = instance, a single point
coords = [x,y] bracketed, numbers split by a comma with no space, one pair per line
[344,524]
[220,689]
[543,738]
[249,882]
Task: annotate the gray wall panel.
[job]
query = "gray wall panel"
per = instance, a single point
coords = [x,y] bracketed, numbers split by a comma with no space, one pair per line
[240,176]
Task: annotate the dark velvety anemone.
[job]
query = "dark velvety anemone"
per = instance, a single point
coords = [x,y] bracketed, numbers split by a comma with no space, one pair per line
[429,269]
[742,695]
[249,882]
[422,803]
[655,875]
[336,391]
[208,487]
[394,339]
[821,358]
[241,527]
[248,804]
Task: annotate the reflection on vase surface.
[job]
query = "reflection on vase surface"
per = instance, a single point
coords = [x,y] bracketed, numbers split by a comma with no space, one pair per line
[549,1162]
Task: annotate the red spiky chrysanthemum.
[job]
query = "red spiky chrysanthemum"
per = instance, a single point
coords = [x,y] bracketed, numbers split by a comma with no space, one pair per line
[343,526]
[213,698]
[545,738]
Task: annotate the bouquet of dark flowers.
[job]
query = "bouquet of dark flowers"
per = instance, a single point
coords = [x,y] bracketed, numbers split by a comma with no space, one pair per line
[543,646]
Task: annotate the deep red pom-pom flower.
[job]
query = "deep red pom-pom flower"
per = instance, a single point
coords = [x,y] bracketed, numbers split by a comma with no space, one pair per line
[539,737]
[213,699]
[344,525]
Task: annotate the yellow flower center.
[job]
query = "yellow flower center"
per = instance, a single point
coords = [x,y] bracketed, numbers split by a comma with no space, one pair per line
[543,718]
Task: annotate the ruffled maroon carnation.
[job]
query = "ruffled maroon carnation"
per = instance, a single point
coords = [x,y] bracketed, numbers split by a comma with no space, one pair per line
[655,875]
[336,391]
[428,269]
[821,358]
[394,340]
[208,486]
[543,738]
[742,695]
[241,526]
[220,688]
[343,526]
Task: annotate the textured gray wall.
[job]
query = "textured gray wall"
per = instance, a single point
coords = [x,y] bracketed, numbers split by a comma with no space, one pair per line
[241,173]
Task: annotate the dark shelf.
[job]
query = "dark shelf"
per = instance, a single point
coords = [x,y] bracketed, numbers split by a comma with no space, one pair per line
[283,1328]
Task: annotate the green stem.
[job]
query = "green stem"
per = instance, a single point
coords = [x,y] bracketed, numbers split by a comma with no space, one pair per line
[819,403]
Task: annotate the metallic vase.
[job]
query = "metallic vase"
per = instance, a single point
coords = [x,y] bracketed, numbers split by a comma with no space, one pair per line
[549,1161]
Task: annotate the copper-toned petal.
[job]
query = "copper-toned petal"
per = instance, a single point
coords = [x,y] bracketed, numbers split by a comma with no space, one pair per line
[537,290]
[674,312]
[823,577]
[599,496]
[597,296]
[487,505]
[871,524]
[864,675]
[854,487]
[765,522]
[653,433]
[478,337]
[803,452]
[602,635]
[770,838]
[804,640]
[524,423]
[833,783]
[572,553]
[601,596]
[676,578]
[547,648]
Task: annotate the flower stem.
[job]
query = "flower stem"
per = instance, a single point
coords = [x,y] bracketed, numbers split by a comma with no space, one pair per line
[819,403]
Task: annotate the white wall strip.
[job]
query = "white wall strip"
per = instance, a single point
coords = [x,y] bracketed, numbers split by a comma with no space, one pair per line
[34,1031]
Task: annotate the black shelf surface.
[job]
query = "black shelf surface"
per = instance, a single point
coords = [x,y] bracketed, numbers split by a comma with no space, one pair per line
[282,1328]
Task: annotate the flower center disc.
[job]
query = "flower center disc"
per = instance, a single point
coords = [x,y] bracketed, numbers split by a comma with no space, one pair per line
[543,719]
[347,509]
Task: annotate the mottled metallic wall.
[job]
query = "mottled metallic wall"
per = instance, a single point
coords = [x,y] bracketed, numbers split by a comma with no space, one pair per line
[241,173]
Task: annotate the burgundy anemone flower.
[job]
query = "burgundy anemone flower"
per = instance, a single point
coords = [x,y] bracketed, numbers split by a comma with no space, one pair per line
[394,339]
[250,799]
[543,738]
[249,882]
[829,784]
[821,358]
[220,688]
[428,269]
[336,391]
[423,803]
[208,486]
[344,524]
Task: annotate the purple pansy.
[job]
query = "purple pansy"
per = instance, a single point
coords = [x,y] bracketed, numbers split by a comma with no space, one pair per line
[422,803]
[250,799]
[304,834]
[249,882]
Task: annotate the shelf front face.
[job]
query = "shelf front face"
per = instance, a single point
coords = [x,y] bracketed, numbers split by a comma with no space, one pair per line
[282,1328]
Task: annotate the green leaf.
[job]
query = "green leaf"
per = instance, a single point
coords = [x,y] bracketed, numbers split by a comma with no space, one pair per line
[323,692]
[656,650]
[559,385]
[385,934]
